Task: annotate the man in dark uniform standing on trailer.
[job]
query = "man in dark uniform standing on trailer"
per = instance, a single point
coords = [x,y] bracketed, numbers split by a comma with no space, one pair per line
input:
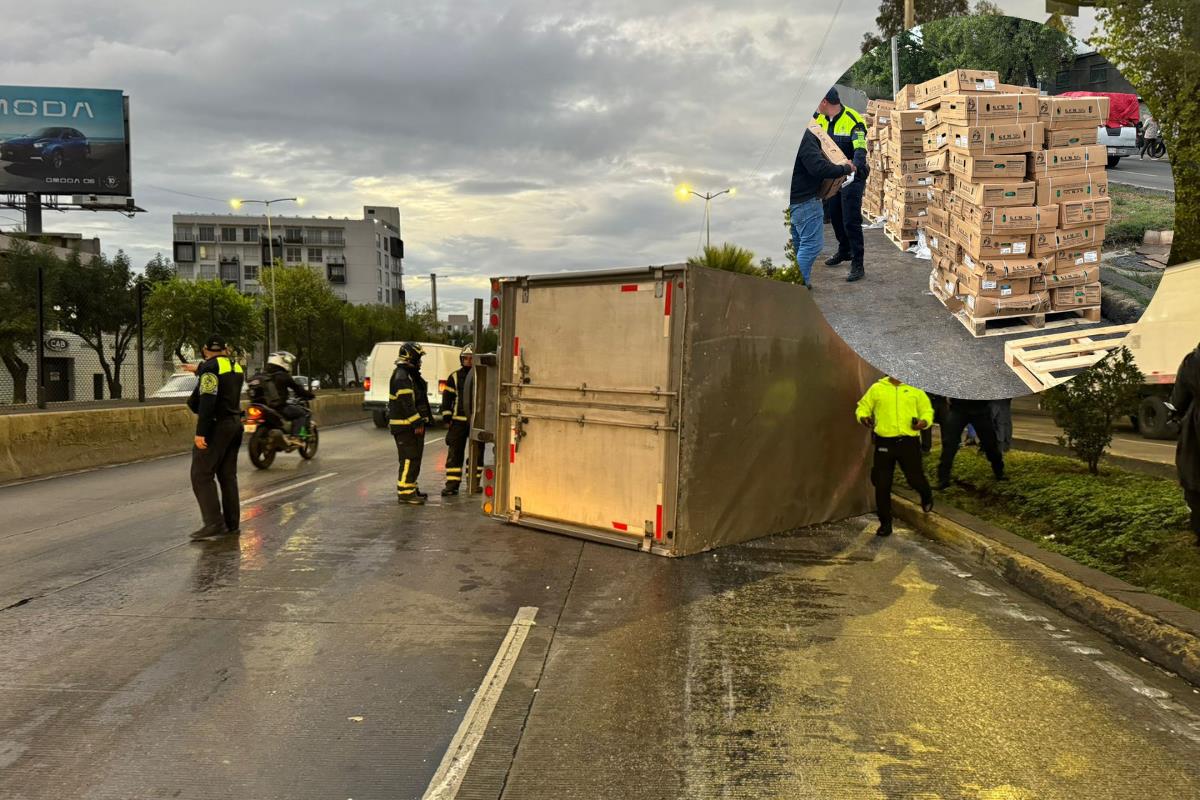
[217,404]
[456,413]
[408,414]
[848,130]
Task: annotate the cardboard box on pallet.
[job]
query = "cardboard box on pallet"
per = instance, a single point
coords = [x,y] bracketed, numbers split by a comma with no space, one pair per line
[1076,276]
[998,193]
[979,285]
[902,152]
[939,221]
[1086,296]
[1070,137]
[980,245]
[1010,219]
[1044,244]
[980,140]
[1066,160]
[1007,268]
[984,169]
[1078,213]
[961,81]
[1071,257]
[1059,189]
[909,121]
[1008,88]
[984,307]
[970,109]
[1072,112]
[1081,238]
[906,98]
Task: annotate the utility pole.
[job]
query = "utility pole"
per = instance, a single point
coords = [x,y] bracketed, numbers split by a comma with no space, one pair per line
[895,67]
[41,334]
[140,288]
[910,14]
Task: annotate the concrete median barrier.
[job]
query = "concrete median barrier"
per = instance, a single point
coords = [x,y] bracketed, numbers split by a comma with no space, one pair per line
[35,445]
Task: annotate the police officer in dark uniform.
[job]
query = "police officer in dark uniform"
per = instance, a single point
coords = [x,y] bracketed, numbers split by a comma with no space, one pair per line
[959,414]
[456,412]
[217,404]
[848,130]
[408,414]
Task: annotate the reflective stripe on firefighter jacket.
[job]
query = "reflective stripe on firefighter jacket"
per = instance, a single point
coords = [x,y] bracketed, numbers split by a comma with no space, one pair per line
[894,408]
[456,400]
[408,403]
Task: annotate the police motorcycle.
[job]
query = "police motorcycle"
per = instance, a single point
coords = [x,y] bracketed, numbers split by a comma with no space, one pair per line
[267,430]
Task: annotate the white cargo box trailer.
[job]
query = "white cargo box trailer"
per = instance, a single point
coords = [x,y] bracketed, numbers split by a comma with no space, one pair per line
[673,409]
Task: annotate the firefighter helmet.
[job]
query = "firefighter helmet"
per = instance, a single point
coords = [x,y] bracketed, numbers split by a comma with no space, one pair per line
[410,355]
[466,353]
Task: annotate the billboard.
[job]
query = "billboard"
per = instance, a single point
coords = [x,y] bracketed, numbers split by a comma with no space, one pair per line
[63,141]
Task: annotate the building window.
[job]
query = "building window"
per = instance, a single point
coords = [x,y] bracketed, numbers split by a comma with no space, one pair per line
[185,252]
[250,272]
[1098,74]
[228,234]
[208,272]
[314,255]
[378,257]
[336,273]
[204,251]
[295,235]
[293,254]
[229,270]
[207,233]
[184,233]
[313,236]
[1063,81]
[336,237]
[250,235]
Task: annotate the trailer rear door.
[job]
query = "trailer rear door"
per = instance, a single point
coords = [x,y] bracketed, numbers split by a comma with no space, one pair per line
[589,404]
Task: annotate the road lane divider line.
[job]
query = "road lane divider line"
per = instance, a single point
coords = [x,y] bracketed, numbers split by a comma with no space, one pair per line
[288,488]
[453,769]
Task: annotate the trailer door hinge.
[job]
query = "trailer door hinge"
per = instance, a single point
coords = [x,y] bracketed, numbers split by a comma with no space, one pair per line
[658,281]
[524,290]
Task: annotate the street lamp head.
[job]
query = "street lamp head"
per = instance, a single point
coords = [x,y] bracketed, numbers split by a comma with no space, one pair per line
[299,200]
[682,191]
[733,192]
[235,204]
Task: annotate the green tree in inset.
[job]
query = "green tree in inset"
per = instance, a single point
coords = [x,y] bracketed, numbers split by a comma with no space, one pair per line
[1087,406]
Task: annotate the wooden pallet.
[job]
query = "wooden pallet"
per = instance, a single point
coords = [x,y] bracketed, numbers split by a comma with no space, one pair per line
[1045,361]
[903,244]
[1011,324]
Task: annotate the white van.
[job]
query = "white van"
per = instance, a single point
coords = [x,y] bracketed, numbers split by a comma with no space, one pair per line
[440,360]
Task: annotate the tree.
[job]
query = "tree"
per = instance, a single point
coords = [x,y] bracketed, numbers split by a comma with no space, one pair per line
[96,303]
[891,18]
[18,309]
[727,257]
[180,314]
[1156,46]
[1086,406]
[308,315]
[159,270]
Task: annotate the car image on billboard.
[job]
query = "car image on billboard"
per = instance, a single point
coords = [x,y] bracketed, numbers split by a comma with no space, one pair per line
[63,141]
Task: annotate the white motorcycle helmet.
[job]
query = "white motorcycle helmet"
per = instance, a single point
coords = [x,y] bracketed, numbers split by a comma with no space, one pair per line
[282,359]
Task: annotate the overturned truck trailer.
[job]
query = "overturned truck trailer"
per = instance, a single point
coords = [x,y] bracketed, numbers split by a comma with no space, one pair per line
[672,409]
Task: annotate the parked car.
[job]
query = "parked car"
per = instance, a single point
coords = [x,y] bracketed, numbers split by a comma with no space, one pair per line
[52,146]
[180,384]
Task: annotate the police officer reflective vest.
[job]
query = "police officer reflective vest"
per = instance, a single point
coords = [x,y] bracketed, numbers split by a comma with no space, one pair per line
[849,130]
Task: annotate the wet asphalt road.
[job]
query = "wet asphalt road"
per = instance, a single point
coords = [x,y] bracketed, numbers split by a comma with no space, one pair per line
[333,651]
[1145,173]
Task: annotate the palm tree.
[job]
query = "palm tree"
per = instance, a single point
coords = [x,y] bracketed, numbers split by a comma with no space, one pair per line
[728,257]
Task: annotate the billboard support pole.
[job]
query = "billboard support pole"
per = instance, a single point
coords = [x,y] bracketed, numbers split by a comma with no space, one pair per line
[41,337]
[33,213]
[140,288]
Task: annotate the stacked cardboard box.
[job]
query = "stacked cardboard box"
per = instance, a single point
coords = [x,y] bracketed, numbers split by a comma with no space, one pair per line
[878,117]
[1016,198]
[907,183]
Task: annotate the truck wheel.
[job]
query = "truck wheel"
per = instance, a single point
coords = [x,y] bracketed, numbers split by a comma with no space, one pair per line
[380,418]
[1113,161]
[1154,421]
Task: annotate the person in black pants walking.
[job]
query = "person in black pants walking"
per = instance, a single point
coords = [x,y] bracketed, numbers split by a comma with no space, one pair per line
[217,404]
[960,414]
[1186,400]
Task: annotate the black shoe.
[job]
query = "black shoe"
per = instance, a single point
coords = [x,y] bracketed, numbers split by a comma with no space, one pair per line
[857,273]
[233,531]
[422,495]
[837,258]
[208,532]
[884,530]
[808,286]
[450,491]
[411,500]
[927,505]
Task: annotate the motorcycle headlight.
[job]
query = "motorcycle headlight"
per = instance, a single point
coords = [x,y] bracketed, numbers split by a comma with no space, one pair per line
[38,145]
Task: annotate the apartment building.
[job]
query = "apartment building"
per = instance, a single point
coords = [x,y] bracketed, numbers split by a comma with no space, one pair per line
[360,258]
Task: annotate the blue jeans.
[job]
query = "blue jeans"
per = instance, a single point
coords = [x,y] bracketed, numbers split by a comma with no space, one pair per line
[808,233]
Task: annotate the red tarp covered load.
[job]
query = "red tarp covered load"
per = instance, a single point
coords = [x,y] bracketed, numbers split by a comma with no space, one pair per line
[1123,109]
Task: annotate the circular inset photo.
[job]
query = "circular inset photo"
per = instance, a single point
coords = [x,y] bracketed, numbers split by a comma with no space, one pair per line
[1007,210]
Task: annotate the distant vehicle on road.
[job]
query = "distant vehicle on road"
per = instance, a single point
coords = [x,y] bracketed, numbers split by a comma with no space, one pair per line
[54,147]
[308,383]
[180,385]
[1119,132]
[440,360]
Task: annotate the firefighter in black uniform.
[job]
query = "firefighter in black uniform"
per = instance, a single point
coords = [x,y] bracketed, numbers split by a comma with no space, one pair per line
[217,404]
[848,130]
[456,413]
[959,414]
[408,414]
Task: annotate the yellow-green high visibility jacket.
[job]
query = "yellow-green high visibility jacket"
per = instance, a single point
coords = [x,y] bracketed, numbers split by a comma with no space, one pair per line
[894,408]
[849,130]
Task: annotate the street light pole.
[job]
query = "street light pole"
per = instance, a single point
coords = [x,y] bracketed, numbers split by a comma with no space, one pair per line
[707,197]
[238,203]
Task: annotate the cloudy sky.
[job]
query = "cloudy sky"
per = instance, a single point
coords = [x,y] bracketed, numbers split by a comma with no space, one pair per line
[515,137]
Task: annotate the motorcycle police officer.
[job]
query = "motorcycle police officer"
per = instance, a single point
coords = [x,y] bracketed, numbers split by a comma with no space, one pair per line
[456,413]
[217,404]
[408,414]
[848,130]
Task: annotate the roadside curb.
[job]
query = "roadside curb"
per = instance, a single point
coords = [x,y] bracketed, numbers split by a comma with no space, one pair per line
[1151,468]
[1159,630]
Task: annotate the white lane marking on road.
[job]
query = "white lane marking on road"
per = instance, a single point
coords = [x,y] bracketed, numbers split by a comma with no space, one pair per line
[288,488]
[453,769]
